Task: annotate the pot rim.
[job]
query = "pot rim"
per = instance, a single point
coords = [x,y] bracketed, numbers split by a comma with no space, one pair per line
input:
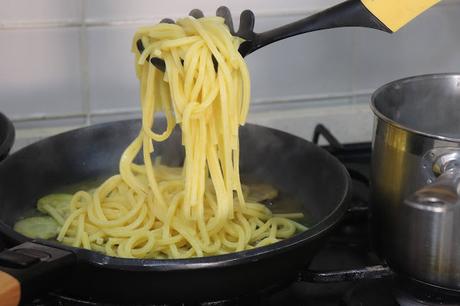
[385,118]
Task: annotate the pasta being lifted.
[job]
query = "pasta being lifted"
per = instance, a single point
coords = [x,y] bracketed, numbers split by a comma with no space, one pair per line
[154,211]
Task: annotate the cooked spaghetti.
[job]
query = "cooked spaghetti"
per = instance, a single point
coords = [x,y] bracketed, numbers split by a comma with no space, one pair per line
[155,211]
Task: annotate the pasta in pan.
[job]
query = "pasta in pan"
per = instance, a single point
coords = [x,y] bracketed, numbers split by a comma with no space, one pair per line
[200,209]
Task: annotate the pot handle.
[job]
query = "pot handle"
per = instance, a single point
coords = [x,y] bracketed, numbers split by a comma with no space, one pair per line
[432,205]
[441,194]
[428,225]
[30,268]
[444,191]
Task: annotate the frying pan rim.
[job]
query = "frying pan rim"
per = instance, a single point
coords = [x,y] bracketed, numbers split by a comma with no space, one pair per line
[7,141]
[235,258]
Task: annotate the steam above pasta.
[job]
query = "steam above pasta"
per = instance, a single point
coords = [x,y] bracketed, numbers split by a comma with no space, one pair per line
[155,211]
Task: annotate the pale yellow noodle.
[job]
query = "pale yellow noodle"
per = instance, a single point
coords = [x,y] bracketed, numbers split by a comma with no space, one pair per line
[156,211]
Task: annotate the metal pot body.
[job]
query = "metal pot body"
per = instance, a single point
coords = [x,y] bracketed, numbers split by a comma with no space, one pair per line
[415,178]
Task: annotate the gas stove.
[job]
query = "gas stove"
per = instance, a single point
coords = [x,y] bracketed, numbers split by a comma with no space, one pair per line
[351,273]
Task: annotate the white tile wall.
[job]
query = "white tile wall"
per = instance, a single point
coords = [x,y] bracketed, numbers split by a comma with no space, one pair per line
[26,11]
[112,80]
[430,44]
[156,10]
[40,72]
[312,64]
[349,123]
[68,63]
[296,66]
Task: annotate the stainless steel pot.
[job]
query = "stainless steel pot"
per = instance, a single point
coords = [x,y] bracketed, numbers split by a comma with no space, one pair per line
[416,177]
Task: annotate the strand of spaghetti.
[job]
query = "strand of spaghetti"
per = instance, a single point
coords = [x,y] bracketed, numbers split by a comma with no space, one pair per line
[188,163]
[67,223]
[146,53]
[152,210]
[163,30]
[80,230]
[85,240]
[179,42]
[218,182]
[153,183]
[198,86]
[201,161]
[192,59]
[101,193]
[285,228]
[172,210]
[121,230]
[125,165]
[177,94]
[130,245]
[246,227]
[246,91]
[53,213]
[148,102]
[226,161]
[239,191]
[196,166]
[117,222]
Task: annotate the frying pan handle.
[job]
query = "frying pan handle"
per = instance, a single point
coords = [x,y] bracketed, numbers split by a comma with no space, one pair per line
[10,290]
[30,268]
[369,272]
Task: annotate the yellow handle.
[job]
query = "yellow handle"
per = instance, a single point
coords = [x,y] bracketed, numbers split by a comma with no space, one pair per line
[397,13]
[10,290]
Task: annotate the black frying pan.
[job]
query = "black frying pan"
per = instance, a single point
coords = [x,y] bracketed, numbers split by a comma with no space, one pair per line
[295,166]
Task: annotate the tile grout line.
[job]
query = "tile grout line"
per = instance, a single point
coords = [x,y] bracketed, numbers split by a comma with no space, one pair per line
[257,105]
[353,63]
[38,133]
[84,64]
